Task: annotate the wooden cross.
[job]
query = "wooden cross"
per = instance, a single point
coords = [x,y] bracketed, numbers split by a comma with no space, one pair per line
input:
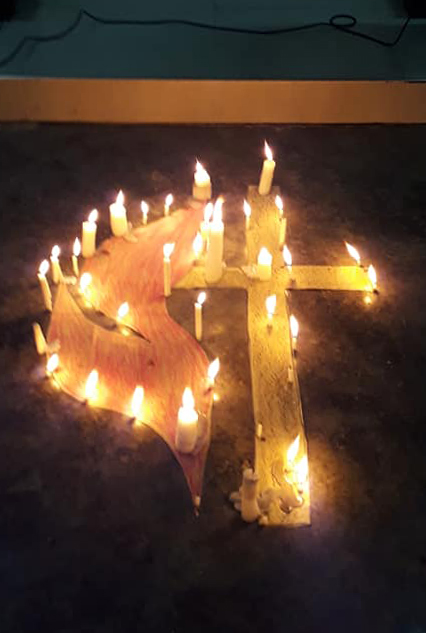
[276,401]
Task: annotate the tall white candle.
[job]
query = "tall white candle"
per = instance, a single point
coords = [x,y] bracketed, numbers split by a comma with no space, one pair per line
[88,236]
[249,507]
[76,250]
[205,224]
[168,203]
[267,174]
[40,341]
[214,259]
[118,216]
[247,213]
[167,251]
[264,264]
[202,187]
[198,313]
[145,211]
[57,275]
[187,424]
[44,285]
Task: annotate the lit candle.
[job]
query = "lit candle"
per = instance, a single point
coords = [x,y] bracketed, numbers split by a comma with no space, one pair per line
[212,372]
[353,253]
[214,259]
[76,250]
[372,275]
[271,304]
[118,216]
[294,329]
[288,260]
[202,188]
[197,246]
[267,174]
[198,312]
[205,225]
[122,311]
[249,507]
[52,364]
[88,237]
[279,203]
[247,213]
[55,265]
[167,204]
[187,424]
[137,401]
[91,386]
[167,251]
[145,211]
[40,341]
[264,264]
[44,285]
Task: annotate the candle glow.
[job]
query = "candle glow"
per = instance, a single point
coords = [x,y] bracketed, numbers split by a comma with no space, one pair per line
[197,245]
[353,253]
[93,216]
[213,371]
[145,211]
[52,364]
[168,203]
[294,327]
[137,401]
[43,268]
[247,212]
[91,386]
[292,452]
[280,205]
[201,298]
[372,275]
[288,259]
[217,210]
[85,281]
[208,212]
[123,310]
[76,249]
[301,472]
[168,249]
[56,251]
[271,304]
[268,152]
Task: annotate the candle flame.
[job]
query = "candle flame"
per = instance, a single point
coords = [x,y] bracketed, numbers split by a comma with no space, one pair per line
[188,399]
[217,212]
[247,209]
[137,401]
[85,281]
[169,200]
[76,249]
[279,203]
[292,450]
[120,199]
[44,267]
[201,173]
[271,304]
[144,207]
[353,253]
[93,216]
[301,470]
[208,212]
[201,298]
[91,384]
[264,257]
[213,369]
[268,152]
[123,310]
[288,259]
[372,275]
[197,244]
[56,251]
[294,326]
[52,363]
[168,249]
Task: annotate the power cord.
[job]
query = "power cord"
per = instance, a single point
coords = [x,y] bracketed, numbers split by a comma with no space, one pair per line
[340,22]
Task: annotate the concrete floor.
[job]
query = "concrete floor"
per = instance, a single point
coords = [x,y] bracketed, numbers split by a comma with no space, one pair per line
[96,530]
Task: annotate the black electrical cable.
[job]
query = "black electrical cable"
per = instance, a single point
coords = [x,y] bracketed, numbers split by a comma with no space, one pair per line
[340,22]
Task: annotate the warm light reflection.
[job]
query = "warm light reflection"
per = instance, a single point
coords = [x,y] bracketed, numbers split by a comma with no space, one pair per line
[201,298]
[123,310]
[137,401]
[56,251]
[44,267]
[247,209]
[271,304]
[76,250]
[169,200]
[292,451]
[120,199]
[197,245]
[216,397]
[280,205]
[93,216]
[268,152]
[301,472]
[368,300]
[168,249]
[90,389]
[264,258]
[208,212]
[287,257]
[372,275]
[52,363]
[144,208]
[85,281]
[294,327]
[213,370]
[353,253]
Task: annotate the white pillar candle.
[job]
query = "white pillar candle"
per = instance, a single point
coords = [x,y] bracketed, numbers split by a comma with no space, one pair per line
[118,216]
[202,187]
[214,259]
[267,174]
[264,264]
[40,341]
[75,254]
[294,329]
[249,507]
[167,251]
[168,203]
[187,424]
[88,236]
[145,211]
[247,213]
[205,224]
[44,285]
[198,313]
[57,275]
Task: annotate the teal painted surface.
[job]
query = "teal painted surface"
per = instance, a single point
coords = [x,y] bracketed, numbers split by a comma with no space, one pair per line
[95,50]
